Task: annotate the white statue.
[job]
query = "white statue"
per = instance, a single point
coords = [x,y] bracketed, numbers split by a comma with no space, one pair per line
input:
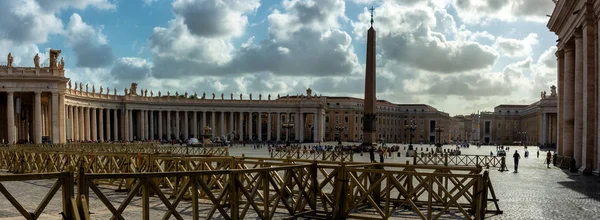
[553,91]
[269,97]
[259,96]
[222,97]
[9,60]
[250,96]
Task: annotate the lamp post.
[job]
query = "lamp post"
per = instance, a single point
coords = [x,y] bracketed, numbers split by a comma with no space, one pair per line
[521,135]
[339,128]
[207,135]
[288,125]
[438,131]
[310,129]
[411,127]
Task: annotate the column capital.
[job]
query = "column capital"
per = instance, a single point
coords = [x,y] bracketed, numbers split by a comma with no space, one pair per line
[37,92]
[578,33]
[559,54]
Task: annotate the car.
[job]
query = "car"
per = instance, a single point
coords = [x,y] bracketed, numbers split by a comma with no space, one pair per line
[193,141]
[501,153]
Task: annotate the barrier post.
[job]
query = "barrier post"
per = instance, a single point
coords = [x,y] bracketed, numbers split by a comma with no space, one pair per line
[67,194]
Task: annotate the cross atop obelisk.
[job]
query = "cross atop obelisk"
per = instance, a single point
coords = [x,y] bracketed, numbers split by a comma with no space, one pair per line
[370,108]
[372,9]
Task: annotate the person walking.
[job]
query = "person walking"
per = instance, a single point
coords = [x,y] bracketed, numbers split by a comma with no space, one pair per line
[372,154]
[538,153]
[548,157]
[516,157]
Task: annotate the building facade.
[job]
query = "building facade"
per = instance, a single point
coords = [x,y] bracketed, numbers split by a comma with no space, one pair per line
[576,25]
[41,103]
[533,124]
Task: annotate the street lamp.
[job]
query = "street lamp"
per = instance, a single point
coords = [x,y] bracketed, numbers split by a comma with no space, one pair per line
[207,134]
[522,134]
[411,127]
[288,126]
[339,128]
[438,131]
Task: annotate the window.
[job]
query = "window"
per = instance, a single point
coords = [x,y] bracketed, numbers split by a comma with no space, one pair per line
[326,118]
[346,119]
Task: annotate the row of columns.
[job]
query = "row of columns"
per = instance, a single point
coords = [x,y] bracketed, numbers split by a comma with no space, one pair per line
[94,124]
[47,120]
[577,102]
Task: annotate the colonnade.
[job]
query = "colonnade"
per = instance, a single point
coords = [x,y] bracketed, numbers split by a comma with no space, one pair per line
[577,104]
[32,121]
[116,124]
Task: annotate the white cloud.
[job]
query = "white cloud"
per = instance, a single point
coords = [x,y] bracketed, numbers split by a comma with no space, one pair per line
[219,18]
[480,11]
[406,34]
[516,47]
[90,45]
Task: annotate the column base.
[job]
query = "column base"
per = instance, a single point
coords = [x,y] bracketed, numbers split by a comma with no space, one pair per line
[596,171]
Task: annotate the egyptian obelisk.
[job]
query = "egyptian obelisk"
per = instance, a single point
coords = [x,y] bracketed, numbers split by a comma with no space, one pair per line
[370,108]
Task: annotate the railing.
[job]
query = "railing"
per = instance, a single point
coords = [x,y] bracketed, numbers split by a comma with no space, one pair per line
[373,191]
[458,160]
[563,162]
[64,181]
[313,154]
[253,192]
[149,148]
[234,188]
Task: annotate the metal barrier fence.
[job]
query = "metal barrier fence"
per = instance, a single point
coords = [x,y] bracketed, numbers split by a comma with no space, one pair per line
[458,160]
[240,187]
[313,154]
[563,162]
[145,148]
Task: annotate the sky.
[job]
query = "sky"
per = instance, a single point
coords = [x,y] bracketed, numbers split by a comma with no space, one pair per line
[459,56]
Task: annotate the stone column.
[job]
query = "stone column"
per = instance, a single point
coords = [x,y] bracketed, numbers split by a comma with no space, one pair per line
[70,118]
[94,126]
[107,122]
[222,123]
[560,59]
[315,131]
[38,117]
[160,126]
[142,124]
[203,123]
[10,117]
[101,124]
[116,125]
[301,138]
[544,129]
[259,125]
[146,124]
[589,86]
[151,124]
[195,124]
[278,126]
[578,112]
[231,129]
[55,120]
[568,100]
[88,124]
[131,134]
[185,125]
[169,133]
[241,126]
[125,121]
[268,126]
[177,131]
[250,125]
[77,123]
[213,120]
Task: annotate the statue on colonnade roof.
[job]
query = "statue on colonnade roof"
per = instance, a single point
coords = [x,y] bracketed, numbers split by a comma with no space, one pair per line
[133,89]
[9,60]
[36,61]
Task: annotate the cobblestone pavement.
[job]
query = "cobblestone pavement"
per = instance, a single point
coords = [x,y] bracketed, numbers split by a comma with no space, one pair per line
[535,192]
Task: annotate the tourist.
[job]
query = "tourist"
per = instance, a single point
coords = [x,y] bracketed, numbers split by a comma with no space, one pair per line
[516,156]
[548,156]
[372,154]
[538,153]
